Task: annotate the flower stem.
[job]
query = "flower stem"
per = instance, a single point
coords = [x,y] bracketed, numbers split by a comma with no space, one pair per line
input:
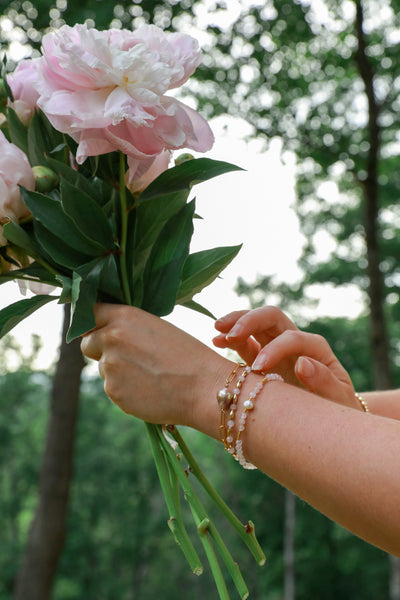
[200,517]
[175,522]
[246,532]
[124,230]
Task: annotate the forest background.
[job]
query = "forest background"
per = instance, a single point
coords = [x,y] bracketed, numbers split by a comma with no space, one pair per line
[81,512]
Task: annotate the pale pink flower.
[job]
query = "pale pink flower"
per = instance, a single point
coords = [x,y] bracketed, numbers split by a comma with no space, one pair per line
[15,170]
[34,287]
[142,172]
[22,83]
[107,90]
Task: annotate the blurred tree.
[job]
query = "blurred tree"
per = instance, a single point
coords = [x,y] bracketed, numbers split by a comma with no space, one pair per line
[47,532]
[22,418]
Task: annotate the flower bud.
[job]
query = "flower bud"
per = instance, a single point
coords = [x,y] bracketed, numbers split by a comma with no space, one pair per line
[45,179]
[183,158]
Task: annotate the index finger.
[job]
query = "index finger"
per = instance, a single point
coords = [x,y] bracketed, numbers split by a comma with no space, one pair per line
[264,324]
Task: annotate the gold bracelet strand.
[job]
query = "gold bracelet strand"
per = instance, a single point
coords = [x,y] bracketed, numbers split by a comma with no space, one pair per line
[225,398]
[363,402]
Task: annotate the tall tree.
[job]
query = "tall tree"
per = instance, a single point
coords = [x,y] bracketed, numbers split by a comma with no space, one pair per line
[47,533]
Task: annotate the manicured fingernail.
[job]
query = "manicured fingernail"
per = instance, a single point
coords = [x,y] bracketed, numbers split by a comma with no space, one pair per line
[235,331]
[305,367]
[258,365]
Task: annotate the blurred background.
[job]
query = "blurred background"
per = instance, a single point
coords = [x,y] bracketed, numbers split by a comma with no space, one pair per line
[304,95]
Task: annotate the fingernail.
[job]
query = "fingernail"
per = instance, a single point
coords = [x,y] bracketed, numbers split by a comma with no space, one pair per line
[258,365]
[235,331]
[305,367]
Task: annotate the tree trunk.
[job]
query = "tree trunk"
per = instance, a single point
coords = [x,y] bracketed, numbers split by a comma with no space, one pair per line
[289,589]
[379,338]
[376,291]
[47,533]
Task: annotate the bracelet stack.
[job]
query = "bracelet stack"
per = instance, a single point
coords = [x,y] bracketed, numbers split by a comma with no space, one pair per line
[228,402]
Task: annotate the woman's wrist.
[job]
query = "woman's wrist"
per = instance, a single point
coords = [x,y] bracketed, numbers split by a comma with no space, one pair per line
[205,413]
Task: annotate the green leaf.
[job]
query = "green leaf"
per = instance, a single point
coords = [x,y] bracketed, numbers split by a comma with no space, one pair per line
[87,215]
[66,294]
[13,314]
[164,269]
[84,295]
[49,212]
[3,75]
[184,176]
[96,188]
[42,139]
[145,224]
[59,252]
[18,131]
[110,285]
[34,271]
[20,237]
[201,268]
[198,308]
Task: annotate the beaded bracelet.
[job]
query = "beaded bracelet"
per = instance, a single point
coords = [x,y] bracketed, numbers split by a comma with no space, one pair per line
[247,406]
[363,402]
[225,398]
[232,410]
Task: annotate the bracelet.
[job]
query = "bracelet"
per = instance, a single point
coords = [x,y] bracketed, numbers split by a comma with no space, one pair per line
[232,410]
[363,402]
[225,398]
[247,406]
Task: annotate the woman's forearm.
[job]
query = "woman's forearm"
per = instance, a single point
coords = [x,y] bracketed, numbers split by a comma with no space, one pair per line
[385,404]
[342,461]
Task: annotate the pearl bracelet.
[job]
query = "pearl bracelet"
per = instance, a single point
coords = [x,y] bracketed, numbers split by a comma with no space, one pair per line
[363,402]
[247,406]
[232,410]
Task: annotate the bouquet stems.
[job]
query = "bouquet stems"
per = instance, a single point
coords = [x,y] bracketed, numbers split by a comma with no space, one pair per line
[173,476]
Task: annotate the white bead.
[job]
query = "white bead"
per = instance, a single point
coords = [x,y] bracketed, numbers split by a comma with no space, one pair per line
[231,423]
[248,405]
[229,439]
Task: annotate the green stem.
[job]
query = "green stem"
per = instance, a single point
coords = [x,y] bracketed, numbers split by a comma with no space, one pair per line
[200,515]
[246,532]
[175,522]
[124,230]
[202,529]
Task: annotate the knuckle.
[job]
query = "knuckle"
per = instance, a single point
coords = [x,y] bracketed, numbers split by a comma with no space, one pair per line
[319,339]
[293,336]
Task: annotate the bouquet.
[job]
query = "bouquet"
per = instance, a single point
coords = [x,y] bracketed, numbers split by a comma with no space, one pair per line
[90,208]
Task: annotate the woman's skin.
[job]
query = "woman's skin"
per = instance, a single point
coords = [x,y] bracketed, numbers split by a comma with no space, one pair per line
[323,447]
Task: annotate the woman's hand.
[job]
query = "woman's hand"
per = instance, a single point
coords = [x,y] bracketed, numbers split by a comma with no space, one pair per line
[269,341]
[155,371]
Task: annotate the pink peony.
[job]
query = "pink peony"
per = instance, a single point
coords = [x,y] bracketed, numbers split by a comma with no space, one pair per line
[22,83]
[106,89]
[15,170]
[142,172]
